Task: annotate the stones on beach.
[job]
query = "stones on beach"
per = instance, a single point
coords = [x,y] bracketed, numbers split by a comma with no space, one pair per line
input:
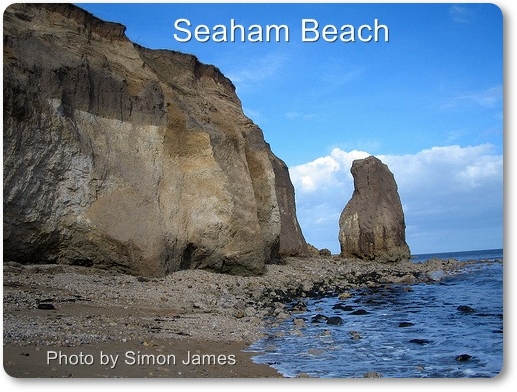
[359,312]
[407,278]
[298,306]
[372,375]
[211,301]
[319,318]
[354,335]
[325,252]
[371,226]
[463,357]
[465,309]
[421,342]
[299,322]
[344,295]
[436,275]
[46,306]
[334,320]
[346,308]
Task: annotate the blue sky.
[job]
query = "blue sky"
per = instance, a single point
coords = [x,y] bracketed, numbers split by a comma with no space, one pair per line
[428,103]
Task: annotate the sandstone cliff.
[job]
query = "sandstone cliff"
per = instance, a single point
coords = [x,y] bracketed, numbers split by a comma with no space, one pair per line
[118,156]
[372,224]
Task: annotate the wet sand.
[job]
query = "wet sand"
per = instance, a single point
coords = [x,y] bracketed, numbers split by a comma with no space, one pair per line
[157,359]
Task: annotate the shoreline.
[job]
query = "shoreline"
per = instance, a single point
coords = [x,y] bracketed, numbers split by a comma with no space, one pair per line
[191,323]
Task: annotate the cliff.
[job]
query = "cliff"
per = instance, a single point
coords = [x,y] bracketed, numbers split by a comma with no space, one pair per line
[118,156]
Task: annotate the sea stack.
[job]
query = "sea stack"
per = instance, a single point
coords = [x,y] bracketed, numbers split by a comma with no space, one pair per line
[371,226]
[127,158]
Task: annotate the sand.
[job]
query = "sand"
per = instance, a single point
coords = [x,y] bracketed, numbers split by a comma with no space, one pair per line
[157,359]
[70,321]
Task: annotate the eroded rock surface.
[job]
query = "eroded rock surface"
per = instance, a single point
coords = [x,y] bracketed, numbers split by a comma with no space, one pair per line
[118,156]
[372,224]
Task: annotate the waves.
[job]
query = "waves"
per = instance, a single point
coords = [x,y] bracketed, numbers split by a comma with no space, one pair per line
[398,331]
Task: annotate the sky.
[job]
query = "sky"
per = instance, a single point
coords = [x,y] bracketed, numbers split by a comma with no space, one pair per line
[428,102]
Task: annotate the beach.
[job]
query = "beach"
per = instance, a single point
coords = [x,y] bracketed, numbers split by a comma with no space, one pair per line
[71,321]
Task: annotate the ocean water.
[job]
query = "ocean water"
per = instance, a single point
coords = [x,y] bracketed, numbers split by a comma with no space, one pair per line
[401,333]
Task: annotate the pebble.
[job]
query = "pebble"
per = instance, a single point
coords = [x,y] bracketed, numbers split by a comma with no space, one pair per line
[299,322]
[190,304]
[422,342]
[372,375]
[46,306]
[359,312]
[316,351]
[465,309]
[354,335]
[335,320]
[344,295]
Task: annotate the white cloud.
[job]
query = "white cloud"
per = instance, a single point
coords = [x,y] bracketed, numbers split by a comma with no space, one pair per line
[449,189]
[325,172]
[449,169]
[300,116]
[461,13]
[258,70]
[488,98]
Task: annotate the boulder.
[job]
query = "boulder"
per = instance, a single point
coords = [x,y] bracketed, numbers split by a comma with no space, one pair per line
[465,309]
[335,320]
[422,342]
[325,252]
[372,226]
[463,357]
[117,156]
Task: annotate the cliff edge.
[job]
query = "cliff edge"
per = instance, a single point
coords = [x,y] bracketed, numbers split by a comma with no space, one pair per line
[118,156]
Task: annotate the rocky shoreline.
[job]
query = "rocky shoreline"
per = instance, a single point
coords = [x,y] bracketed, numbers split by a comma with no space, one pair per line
[76,309]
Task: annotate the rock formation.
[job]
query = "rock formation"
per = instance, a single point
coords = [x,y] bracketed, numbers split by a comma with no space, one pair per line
[118,156]
[372,224]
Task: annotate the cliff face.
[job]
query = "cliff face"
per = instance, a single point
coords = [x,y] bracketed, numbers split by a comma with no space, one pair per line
[118,156]
[372,223]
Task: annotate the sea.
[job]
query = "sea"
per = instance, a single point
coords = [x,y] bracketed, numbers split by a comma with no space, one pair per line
[449,328]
